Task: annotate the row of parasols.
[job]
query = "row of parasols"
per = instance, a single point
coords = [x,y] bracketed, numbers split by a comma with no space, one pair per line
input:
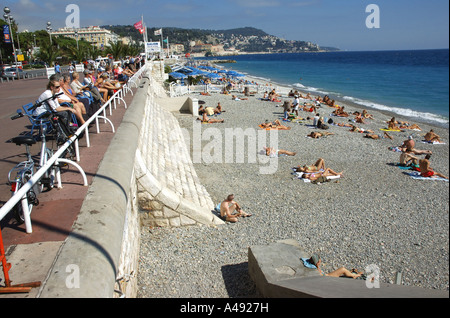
[205,71]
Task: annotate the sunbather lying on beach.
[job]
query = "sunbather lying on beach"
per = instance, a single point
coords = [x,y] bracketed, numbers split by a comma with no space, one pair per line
[432,137]
[272,152]
[413,126]
[207,120]
[319,165]
[234,97]
[274,125]
[341,272]
[374,136]
[425,168]
[228,208]
[316,175]
[361,130]
[317,135]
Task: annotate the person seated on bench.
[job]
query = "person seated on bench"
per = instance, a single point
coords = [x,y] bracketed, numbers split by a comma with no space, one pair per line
[68,91]
[340,272]
[72,101]
[53,87]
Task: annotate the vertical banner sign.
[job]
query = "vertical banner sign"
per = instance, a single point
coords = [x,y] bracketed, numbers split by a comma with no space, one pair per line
[6,34]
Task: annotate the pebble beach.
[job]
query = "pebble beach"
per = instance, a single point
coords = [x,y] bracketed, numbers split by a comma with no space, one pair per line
[375,214]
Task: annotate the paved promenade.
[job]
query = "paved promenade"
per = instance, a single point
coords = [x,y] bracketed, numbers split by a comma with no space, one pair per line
[31,255]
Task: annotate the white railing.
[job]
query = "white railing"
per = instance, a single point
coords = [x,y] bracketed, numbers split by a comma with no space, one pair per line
[177,90]
[118,96]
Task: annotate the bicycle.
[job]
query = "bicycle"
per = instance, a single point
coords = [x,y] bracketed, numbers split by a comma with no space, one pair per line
[23,173]
[26,169]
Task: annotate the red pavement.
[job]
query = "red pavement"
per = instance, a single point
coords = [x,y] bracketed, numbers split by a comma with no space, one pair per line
[53,218]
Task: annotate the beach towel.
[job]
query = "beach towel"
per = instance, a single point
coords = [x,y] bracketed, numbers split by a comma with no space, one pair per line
[416,175]
[433,142]
[299,175]
[395,149]
[306,263]
[386,129]
[272,128]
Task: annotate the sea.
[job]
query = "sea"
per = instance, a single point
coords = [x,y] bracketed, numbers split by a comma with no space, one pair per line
[412,84]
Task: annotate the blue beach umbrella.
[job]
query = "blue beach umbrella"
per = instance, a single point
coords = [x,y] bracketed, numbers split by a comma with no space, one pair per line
[178,75]
[213,75]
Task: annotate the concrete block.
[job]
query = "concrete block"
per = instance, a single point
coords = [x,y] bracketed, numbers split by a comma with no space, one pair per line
[278,272]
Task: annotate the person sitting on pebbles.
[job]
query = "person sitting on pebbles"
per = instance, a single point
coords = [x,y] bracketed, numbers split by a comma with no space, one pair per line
[230,210]
[425,169]
[431,136]
[206,120]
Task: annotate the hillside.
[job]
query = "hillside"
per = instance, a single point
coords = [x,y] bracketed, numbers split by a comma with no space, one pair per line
[245,39]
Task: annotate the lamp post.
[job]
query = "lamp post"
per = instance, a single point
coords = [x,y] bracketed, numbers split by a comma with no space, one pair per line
[49,30]
[8,18]
[76,35]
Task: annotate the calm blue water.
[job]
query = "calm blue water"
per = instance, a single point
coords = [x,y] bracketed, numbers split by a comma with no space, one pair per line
[413,84]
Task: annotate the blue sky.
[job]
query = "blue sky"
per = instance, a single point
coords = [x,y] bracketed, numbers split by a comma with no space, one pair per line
[404,24]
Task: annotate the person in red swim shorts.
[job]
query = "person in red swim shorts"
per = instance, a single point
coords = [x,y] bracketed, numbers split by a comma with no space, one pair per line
[425,168]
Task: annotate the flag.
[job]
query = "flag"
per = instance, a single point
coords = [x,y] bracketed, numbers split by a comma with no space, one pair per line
[158,32]
[139,26]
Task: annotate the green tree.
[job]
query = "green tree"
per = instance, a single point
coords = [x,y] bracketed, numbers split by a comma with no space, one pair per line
[116,49]
[48,53]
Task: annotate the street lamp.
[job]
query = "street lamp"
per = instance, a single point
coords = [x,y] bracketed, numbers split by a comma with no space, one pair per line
[8,17]
[76,35]
[49,30]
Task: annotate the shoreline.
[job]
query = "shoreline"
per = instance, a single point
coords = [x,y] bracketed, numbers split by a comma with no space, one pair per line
[341,101]
[436,120]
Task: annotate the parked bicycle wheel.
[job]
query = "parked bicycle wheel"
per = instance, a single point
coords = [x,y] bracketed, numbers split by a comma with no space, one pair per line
[63,134]
[31,198]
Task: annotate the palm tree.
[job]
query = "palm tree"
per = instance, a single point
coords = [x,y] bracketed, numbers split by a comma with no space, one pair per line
[48,53]
[77,54]
[116,49]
